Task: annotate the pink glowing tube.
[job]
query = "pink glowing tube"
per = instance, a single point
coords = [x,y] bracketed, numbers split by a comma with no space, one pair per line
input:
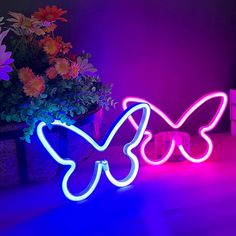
[176,141]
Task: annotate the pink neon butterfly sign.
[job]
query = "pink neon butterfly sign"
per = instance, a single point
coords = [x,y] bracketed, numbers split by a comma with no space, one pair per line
[176,140]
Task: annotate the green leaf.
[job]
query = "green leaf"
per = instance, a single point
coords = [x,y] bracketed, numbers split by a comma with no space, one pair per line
[30,112]
[43,95]
[7,84]
[8,118]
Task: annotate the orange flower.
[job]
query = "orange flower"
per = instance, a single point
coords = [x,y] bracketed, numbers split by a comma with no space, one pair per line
[25,74]
[50,14]
[51,73]
[66,76]
[62,66]
[50,46]
[65,47]
[74,70]
[50,28]
[72,57]
[25,25]
[34,87]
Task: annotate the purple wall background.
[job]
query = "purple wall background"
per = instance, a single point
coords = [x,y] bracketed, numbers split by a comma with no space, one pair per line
[169,52]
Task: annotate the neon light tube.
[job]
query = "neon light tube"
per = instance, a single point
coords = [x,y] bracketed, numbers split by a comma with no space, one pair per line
[100,165]
[176,125]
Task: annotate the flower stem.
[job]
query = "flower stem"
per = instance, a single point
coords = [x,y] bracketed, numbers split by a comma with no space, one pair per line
[18,43]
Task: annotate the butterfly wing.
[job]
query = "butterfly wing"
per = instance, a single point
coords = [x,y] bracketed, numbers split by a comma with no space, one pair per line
[148,135]
[72,165]
[100,165]
[127,149]
[203,130]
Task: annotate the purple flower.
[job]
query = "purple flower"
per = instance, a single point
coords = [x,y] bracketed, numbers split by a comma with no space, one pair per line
[5,61]
[85,67]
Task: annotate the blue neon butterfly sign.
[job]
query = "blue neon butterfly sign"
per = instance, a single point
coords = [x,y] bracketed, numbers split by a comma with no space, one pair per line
[101,165]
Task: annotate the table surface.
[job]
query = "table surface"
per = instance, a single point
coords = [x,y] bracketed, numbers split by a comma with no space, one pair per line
[177,198]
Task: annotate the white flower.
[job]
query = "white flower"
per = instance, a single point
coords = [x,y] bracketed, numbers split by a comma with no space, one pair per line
[3,35]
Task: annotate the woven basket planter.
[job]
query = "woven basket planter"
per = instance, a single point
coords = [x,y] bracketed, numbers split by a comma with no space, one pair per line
[21,162]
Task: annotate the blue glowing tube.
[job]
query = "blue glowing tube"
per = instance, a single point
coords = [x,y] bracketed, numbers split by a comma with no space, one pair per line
[101,165]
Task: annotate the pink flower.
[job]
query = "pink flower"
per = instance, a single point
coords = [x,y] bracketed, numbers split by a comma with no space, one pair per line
[50,45]
[74,70]
[34,87]
[5,61]
[25,74]
[51,73]
[62,66]
[66,76]
[50,13]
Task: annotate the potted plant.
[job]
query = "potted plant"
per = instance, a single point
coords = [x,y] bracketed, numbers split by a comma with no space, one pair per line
[40,79]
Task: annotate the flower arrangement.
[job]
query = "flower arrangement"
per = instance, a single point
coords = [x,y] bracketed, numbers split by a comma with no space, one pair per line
[40,80]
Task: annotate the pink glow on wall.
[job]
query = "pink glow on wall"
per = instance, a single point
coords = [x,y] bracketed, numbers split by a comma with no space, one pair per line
[183,48]
[176,140]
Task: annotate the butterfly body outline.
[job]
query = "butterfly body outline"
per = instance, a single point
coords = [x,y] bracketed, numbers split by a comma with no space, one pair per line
[176,125]
[100,165]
